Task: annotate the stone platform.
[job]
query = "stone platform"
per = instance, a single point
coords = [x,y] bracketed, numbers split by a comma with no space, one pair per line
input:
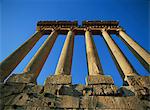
[56,95]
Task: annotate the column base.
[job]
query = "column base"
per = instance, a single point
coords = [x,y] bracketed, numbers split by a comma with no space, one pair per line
[102,85]
[21,78]
[140,85]
[59,79]
[99,79]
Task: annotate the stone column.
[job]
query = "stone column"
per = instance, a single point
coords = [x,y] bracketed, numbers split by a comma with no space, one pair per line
[11,62]
[121,61]
[65,60]
[142,55]
[36,63]
[94,66]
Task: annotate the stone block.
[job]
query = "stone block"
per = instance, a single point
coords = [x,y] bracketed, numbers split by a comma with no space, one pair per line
[21,78]
[16,100]
[31,108]
[11,88]
[50,102]
[140,85]
[71,90]
[99,89]
[88,102]
[115,89]
[88,90]
[67,102]
[107,90]
[126,91]
[14,107]
[134,103]
[8,100]
[42,101]
[78,89]
[143,81]
[104,89]
[59,79]
[38,108]
[52,89]
[5,101]
[146,103]
[129,103]
[32,88]
[120,103]
[1,104]
[66,90]
[20,100]
[105,102]
[99,79]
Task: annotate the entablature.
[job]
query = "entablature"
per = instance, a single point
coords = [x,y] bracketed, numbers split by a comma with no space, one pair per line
[63,26]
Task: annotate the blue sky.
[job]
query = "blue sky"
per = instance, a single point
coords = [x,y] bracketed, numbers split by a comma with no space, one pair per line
[18,20]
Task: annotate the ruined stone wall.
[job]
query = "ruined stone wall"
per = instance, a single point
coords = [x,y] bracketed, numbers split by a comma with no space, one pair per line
[58,93]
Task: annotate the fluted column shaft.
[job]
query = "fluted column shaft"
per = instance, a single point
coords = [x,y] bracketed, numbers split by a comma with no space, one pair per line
[142,55]
[11,62]
[36,63]
[65,60]
[94,66]
[122,63]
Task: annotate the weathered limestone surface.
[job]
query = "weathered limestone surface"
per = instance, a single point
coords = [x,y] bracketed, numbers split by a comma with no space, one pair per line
[99,79]
[10,63]
[37,62]
[142,55]
[21,78]
[105,90]
[35,65]
[94,65]
[122,63]
[140,86]
[101,85]
[65,60]
[67,102]
[65,96]
[59,79]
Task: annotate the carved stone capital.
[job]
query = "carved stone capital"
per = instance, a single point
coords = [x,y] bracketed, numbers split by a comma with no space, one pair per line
[56,28]
[87,29]
[120,29]
[72,28]
[104,29]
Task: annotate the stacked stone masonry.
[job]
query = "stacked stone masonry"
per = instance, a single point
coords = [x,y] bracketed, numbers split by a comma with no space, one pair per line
[21,91]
